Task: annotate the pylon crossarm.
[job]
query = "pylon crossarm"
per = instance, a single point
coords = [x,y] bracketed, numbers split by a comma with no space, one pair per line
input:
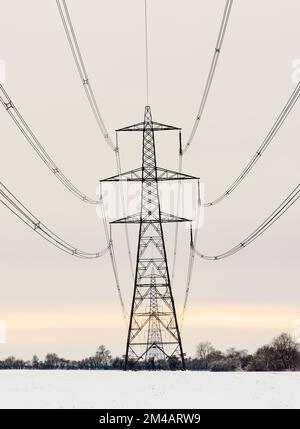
[136,175]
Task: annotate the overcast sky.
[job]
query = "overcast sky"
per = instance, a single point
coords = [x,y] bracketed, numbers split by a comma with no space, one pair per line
[53,302]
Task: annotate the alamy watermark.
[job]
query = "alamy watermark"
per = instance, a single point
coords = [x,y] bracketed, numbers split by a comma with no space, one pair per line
[122,199]
[2,71]
[2,332]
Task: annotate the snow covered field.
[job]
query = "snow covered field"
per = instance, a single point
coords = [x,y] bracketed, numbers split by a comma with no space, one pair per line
[118,389]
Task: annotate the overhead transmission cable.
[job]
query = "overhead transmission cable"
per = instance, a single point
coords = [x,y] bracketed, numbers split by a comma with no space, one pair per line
[72,39]
[214,62]
[9,200]
[193,243]
[81,68]
[18,119]
[275,215]
[19,210]
[44,155]
[270,136]
[284,206]
[112,255]
[179,193]
[266,142]
[211,73]
[34,142]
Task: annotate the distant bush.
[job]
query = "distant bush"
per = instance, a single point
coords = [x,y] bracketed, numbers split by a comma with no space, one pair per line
[225,364]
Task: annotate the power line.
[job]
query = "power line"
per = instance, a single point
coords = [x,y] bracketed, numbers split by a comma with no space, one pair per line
[19,210]
[284,206]
[37,146]
[81,68]
[177,214]
[182,150]
[119,171]
[211,73]
[258,154]
[270,136]
[48,161]
[275,215]
[15,206]
[193,243]
[266,142]
[72,39]
[112,256]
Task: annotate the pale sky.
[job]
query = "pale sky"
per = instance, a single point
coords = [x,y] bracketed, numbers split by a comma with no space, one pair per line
[51,302]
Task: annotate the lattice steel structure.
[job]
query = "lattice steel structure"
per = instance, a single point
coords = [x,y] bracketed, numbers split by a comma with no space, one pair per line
[153,332]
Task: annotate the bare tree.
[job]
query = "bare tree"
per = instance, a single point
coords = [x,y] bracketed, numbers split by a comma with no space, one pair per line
[103,356]
[203,352]
[204,349]
[287,351]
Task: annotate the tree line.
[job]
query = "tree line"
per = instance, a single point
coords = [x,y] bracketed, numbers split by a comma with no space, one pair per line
[282,354]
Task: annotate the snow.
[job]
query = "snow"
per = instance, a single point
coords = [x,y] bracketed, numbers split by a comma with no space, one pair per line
[118,389]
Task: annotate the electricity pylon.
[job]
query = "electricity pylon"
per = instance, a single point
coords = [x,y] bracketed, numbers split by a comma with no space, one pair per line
[153,332]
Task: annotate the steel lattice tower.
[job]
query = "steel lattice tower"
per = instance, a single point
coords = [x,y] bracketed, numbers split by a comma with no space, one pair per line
[153,328]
